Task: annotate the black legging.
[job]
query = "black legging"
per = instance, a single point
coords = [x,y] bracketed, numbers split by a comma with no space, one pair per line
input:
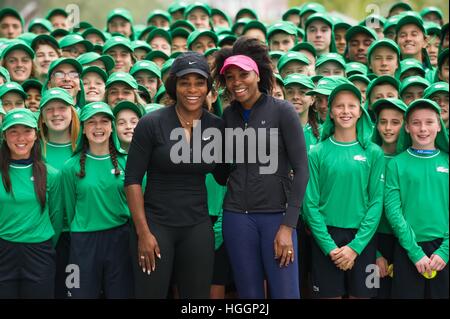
[187,253]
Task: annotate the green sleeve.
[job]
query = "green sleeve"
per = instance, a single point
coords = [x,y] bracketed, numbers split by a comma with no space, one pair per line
[369,224]
[394,214]
[443,249]
[69,191]
[55,204]
[312,212]
[218,237]
[378,254]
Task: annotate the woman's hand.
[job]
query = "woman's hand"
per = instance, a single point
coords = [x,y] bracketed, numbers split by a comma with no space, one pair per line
[382,264]
[148,249]
[423,265]
[344,258]
[437,263]
[283,246]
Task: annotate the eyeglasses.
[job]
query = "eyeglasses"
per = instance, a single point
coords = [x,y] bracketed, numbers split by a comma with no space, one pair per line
[61,75]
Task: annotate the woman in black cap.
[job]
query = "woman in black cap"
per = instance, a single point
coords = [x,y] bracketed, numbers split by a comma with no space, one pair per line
[174,232]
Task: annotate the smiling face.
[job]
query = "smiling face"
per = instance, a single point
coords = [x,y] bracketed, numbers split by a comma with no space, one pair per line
[20,140]
[243,85]
[384,61]
[296,94]
[423,126]
[122,58]
[411,40]
[45,54]
[191,91]
[19,65]
[66,77]
[33,99]
[389,124]
[126,121]
[98,129]
[345,111]
[94,87]
[57,116]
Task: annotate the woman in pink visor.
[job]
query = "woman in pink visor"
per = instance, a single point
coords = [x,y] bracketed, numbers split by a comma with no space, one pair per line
[268,178]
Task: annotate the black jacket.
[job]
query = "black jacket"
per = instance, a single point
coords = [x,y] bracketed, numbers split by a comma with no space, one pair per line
[248,189]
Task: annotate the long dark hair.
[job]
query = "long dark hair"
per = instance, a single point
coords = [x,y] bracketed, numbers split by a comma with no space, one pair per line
[254,49]
[112,153]
[39,171]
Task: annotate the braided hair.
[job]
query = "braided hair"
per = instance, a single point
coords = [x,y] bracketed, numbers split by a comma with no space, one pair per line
[112,153]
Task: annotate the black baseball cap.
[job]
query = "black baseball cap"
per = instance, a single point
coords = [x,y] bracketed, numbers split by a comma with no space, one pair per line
[190,62]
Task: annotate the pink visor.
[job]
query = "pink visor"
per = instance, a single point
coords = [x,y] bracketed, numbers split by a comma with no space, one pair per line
[244,62]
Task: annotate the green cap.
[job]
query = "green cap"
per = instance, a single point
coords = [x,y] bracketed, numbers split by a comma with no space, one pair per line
[82,25]
[225,37]
[246,11]
[410,17]
[359,77]
[290,11]
[127,105]
[117,41]
[2,111]
[330,57]
[209,52]
[17,45]
[95,69]
[423,102]
[352,68]
[360,29]
[27,37]
[198,33]
[215,11]
[391,22]
[238,23]
[56,11]
[326,84]
[5,74]
[60,61]
[343,87]
[255,24]
[156,54]
[175,54]
[159,13]
[299,79]
[380,104]
[435,10]
[340,24]
[46,38]
[41,22]
[166,66]
[283,26]
[304,46]
[120,12]
[90,57]
[312,7]
[145,65]
[322,16]
[383,43]
[408,64]
[56,94]
[382,80]
[11,12]
[276,54]
[32,83]
[59,33]
[432,28]
[436,87]
[139,44]
[20,116]
[279,79]
[405,6]
[161,33]
[144,93]
[12,87]
[290,57]
[183,24]
[122,77]
[413,80]
[93,30]
[73,39]
[177,6]
[160,93]
[197,5]
[179,32]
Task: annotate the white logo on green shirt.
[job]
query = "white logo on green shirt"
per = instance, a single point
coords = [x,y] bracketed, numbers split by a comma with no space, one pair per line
[442,169]
[360,158]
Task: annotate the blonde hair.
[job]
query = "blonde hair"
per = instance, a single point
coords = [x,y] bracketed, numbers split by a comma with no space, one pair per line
[74,130]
